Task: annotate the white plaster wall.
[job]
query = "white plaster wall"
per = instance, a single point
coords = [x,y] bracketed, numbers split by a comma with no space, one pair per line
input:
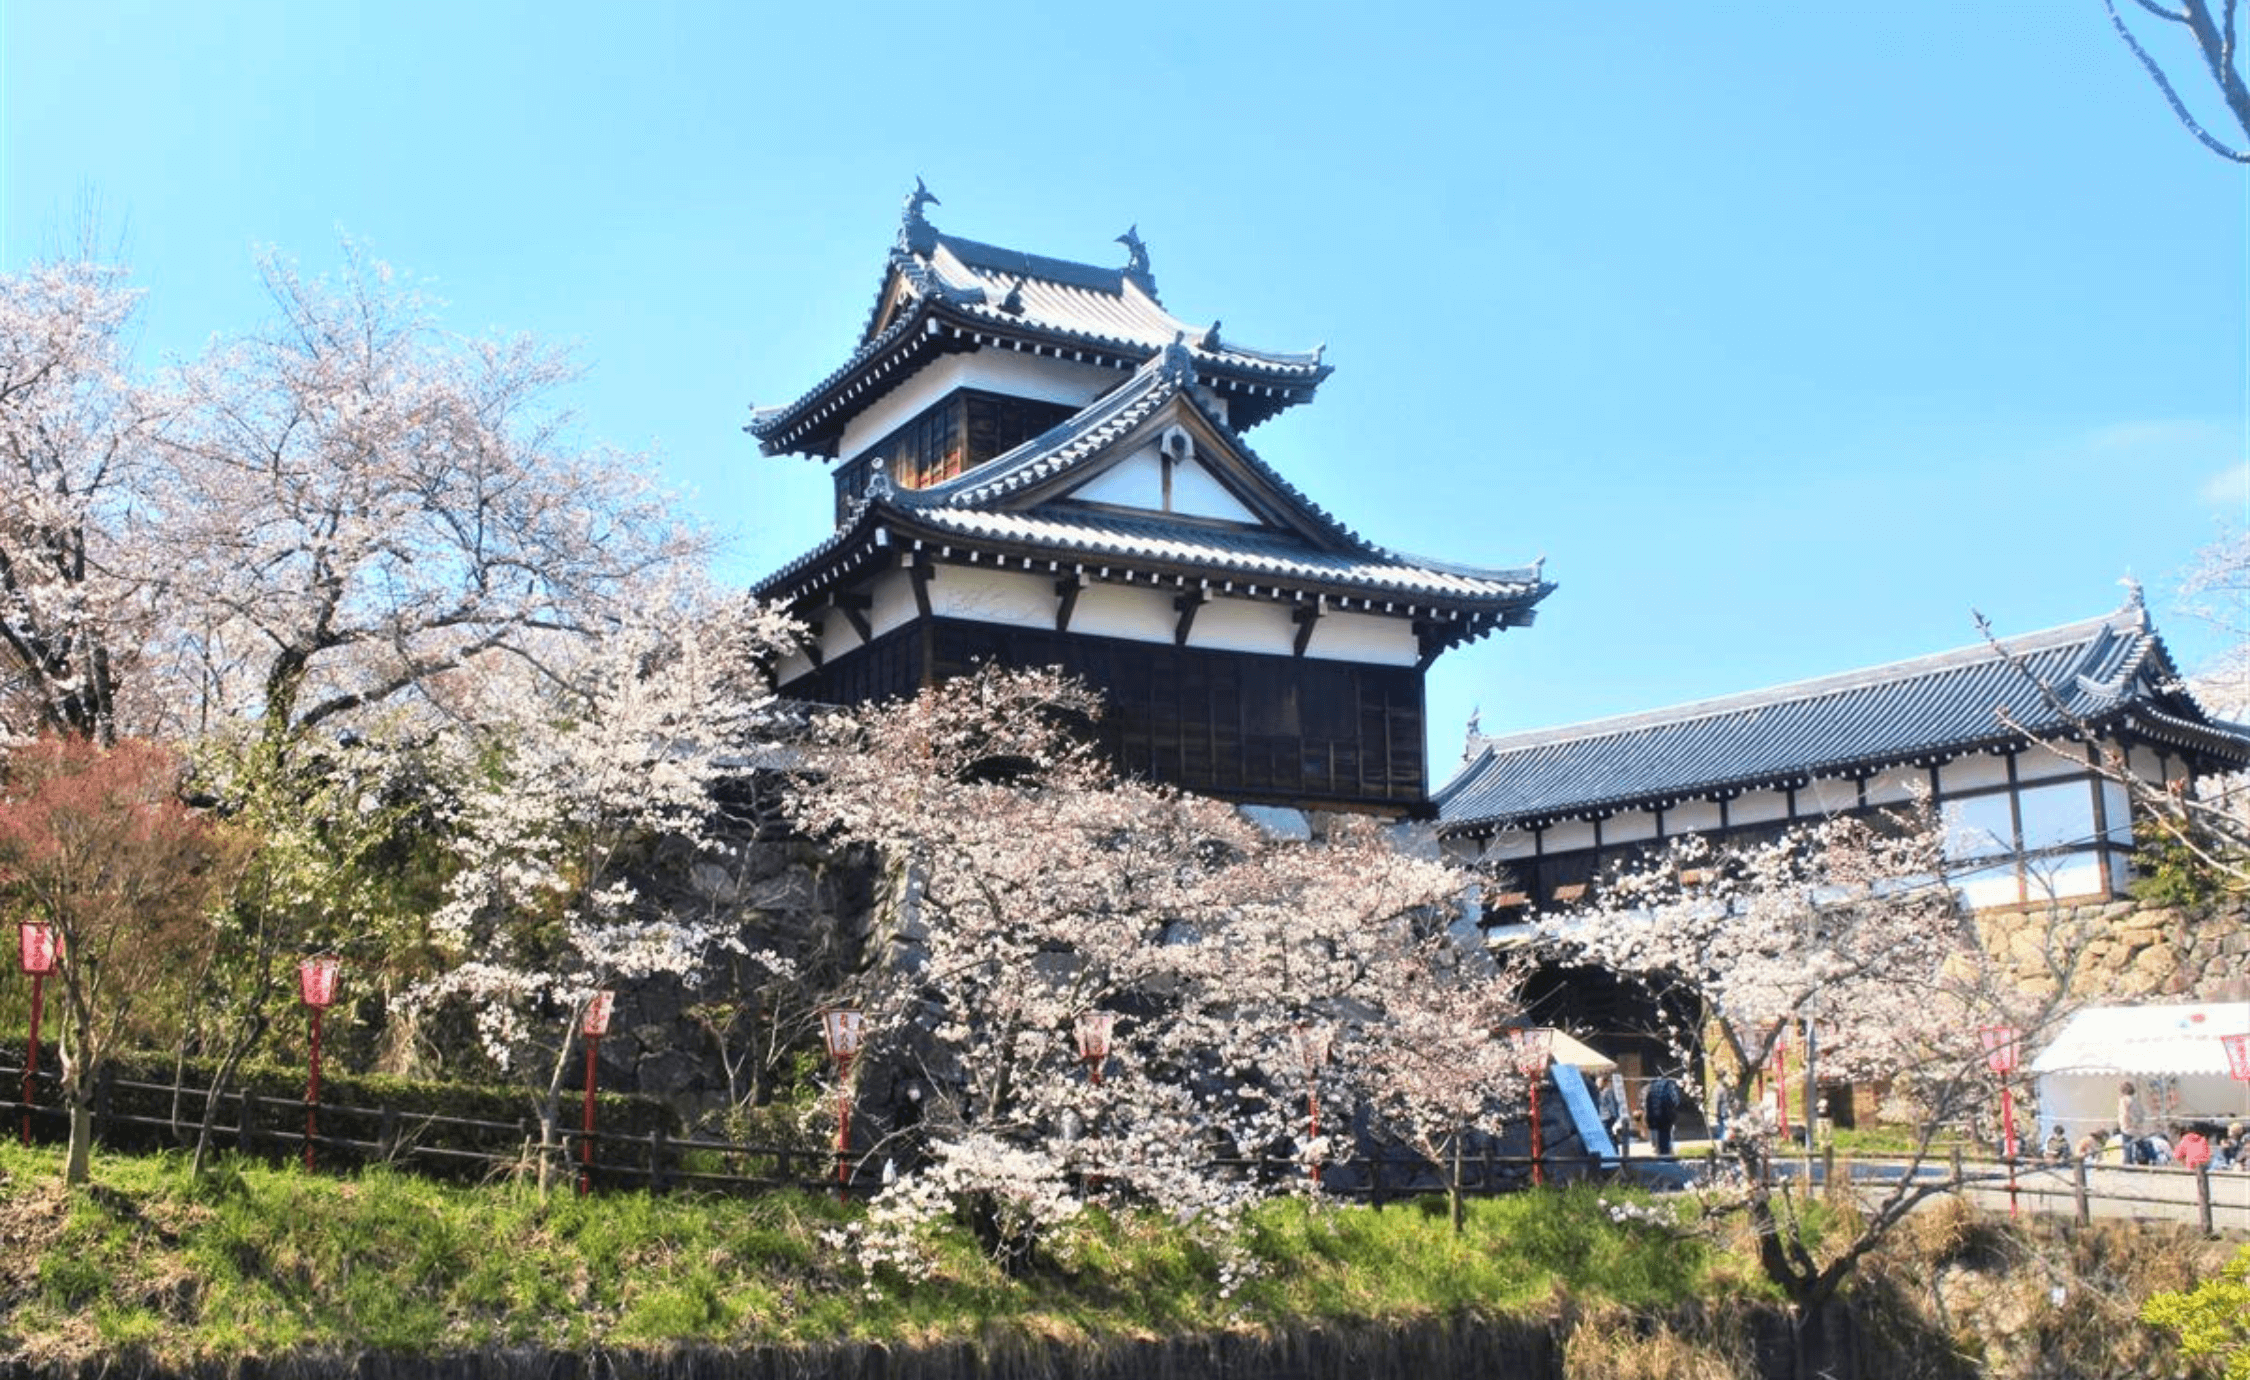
[1510,844]
[1970,772]
[2056,879]
[1692,817]
[1757,807]
[1897,786]
[1145,615]
[1018,598]
[2037,763]
[2144,764]
[1364,637]
[1629,827]
[1995,886]
[894,602]
[1244,625]
[791,667]
[1137,481]
[1568,835]
[1828,796]
[1012,372]
[1197,492]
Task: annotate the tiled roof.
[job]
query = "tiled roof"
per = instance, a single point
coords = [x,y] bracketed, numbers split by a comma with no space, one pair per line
[1254,554]
[1079,439]
[960,290]
[2106,671]
[986,508]
[1002,286]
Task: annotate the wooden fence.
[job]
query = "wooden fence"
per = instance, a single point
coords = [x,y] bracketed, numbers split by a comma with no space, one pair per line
[349,1137]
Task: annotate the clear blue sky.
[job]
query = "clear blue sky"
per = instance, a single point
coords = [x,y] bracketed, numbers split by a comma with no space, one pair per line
[1788,334]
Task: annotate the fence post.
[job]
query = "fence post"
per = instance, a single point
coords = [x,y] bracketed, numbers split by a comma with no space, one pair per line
[1375,1180]
[386,1135]
[102,1089]
[2203,1197]
[1957,1180]
[781,1170]
[2084,1205]
[245,1104]
[657,1150]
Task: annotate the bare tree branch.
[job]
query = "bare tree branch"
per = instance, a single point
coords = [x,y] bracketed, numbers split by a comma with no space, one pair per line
[2215,41]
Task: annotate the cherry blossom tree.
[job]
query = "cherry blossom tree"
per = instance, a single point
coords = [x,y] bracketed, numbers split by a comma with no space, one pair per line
[1851,927]
[353,503]
[1035,887]
[75,436]
[580,761]
[96,842]
[1433,1056]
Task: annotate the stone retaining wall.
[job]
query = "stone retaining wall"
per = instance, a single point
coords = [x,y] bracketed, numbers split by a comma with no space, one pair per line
[2125,951]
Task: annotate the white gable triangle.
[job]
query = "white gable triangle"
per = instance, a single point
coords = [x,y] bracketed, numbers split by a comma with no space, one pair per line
[1138,481]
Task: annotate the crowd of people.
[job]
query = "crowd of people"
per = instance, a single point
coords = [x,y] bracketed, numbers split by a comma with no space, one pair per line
[2139,1139]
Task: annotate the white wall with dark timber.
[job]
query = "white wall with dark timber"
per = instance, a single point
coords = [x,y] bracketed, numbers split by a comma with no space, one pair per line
[1012,372]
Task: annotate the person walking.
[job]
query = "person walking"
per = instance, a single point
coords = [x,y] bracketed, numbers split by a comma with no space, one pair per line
[1616,1112]
[1661,1104]
[2132,1125]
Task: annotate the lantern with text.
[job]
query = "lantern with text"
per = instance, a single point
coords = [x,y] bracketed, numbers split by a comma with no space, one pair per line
[2238,1056]
[2002,1051]
[1093,1041]
[592,1026]
[1533,1047]
[1313,1042]
[316,988]
[844,1028]
[35,951]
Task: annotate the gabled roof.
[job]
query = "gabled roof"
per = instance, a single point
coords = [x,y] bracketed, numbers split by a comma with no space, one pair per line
[1015,510]
[943,293]
[2110,673]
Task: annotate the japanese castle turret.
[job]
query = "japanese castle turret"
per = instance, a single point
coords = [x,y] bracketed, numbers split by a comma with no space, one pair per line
[1037,464]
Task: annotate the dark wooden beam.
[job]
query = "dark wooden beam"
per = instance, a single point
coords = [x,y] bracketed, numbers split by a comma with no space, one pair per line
[1307,615]
[1066,593]
[1187,603]
[854,605]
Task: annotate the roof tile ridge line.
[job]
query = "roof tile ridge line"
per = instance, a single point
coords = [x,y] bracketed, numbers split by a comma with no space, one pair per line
[1308,360]
[1463,777]
[868,349]
[1812,688]
[1516,574]
[1324,519]
[957,242]
[834,541]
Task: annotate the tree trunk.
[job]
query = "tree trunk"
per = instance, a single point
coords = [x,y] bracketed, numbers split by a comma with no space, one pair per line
[78,1163]
[1453,1191]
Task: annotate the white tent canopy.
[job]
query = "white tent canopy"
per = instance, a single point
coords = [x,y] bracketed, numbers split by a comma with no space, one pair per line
[2172,1053]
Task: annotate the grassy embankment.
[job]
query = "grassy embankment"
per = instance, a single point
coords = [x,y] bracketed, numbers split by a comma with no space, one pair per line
[258,1261]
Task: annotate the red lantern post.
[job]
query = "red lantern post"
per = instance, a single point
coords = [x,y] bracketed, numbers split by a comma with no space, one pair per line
[35,951]
[1781,1083]
[1533,1047]
[845,1029]
[316,988]
[2001,1051]
[1313,1044]
[592,1027]
[1093,1041]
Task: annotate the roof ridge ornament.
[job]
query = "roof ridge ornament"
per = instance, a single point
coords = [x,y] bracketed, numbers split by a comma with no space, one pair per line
[2136,603]
[1177,364]
[915,233]
[1136,268]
